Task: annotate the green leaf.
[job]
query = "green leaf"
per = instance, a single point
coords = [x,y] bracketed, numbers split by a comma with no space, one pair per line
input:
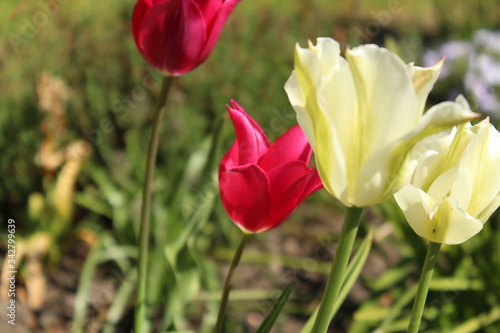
[270,319]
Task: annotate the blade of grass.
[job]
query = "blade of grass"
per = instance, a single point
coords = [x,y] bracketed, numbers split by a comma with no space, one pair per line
[271,317]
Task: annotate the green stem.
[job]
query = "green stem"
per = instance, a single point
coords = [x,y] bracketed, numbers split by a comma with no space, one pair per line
[159,110]
[423,287]
[334,283]
[228,283]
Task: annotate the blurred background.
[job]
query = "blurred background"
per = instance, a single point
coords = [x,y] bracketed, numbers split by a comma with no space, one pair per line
[75,101]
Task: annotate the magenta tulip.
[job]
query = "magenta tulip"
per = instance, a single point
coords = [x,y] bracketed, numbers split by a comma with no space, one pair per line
[175,36]
[262,184]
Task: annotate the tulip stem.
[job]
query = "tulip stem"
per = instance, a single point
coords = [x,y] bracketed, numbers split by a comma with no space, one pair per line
[143,240]
[228,283]
[334,283]
[423,287]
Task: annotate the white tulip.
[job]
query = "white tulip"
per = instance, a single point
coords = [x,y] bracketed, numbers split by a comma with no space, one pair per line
[456,184]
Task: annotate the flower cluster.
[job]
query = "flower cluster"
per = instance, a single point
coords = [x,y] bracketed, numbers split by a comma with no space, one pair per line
[363,115]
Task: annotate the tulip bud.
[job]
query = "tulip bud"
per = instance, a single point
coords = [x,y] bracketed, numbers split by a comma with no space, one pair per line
[175,36]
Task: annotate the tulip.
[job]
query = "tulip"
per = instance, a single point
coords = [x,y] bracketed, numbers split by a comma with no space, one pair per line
[455,187]
[175,36]
[363,114]
[262,184]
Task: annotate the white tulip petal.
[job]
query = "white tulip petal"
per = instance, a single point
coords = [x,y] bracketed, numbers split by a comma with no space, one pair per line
[298,101]
[386,98]
[449,224]
[428,154]
[490,209]
[323,137]
[416,206]
[423,81]
[443,183]
[479,181]
[328,52]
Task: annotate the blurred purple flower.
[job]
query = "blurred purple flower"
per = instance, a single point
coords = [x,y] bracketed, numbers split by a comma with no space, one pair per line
[488,39]
[454,51]
[478,62]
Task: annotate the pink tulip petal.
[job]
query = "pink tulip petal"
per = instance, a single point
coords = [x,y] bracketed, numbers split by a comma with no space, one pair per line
[251,139]
[216,24]
[314,184]
[245,195]
[230,160]
[291,146]
[288,182]
[209,9]
[140,10]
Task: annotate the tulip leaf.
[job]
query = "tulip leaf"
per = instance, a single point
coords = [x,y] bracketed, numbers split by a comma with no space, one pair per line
[271,317]
[351,275]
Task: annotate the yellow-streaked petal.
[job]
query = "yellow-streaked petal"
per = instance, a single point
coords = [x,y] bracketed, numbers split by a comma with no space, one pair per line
[423,79]
[302,91]
[428,154]
[387,104]
[298,101]
[446,223]
[416,206]
[451,225]
[385,173]
[479,182]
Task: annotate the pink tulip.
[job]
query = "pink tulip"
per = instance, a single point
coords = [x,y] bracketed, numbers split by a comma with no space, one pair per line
[262,184]
[175,36]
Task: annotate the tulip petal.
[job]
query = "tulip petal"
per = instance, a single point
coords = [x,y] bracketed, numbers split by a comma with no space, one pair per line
[291,146]
[251,140]
[287,184]
[140,10]
[423,80]
[490,209]
[387,104]
[245,194]
[416,206]
[315,124]
[298,100]
[479,184]
[446,223]
[314,184]
[451,225]
[388,170]
[215,23]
